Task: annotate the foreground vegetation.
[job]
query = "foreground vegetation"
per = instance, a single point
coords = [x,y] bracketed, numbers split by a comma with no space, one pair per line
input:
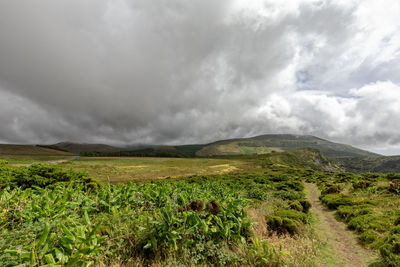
[252,216]
[57,217]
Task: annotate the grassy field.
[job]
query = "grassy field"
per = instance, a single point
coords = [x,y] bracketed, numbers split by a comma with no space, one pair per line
[121,169]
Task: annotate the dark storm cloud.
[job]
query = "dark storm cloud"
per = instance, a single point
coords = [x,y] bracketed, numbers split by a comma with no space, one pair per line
[147,71]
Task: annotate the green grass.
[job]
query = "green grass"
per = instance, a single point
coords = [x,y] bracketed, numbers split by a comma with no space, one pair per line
[122,169]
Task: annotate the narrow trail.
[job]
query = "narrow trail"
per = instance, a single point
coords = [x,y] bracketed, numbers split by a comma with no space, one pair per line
[340,246]
[49,162]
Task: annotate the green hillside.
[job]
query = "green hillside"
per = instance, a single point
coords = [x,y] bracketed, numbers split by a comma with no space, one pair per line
[80,148]
[265,144]
[383,164]
[301,158]
[9,149]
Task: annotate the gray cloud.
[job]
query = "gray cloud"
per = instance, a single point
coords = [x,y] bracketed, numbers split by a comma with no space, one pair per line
[175,71]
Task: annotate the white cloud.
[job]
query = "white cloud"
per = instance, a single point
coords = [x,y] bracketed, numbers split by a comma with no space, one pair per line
[178,71]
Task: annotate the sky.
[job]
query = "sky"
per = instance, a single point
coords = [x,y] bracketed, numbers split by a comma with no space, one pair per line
[179,72]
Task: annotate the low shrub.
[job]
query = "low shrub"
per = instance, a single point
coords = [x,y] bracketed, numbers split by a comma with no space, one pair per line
[331,189]
[292,214]
[348,212]
[306,205]
[394,187]
[282,225]
[295,205]
[290,185]
[397,221]
[393,176]
[257,193]
[361,184]
[369,236]
[333,201]
[390,251]
[289,195]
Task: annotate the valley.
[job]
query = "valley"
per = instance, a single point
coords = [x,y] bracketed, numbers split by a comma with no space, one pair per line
[284,208]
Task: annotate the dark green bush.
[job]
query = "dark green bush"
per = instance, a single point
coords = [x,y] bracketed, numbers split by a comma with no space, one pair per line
[306,205]
[390,251]
[397,221]
[290,226]
[274,223]
[282,225]
[331,189]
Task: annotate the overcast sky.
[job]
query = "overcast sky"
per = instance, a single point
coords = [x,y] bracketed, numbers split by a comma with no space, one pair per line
[195,71]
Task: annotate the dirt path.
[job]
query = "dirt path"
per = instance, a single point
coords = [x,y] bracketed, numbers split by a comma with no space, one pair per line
[340,247]
[49,162]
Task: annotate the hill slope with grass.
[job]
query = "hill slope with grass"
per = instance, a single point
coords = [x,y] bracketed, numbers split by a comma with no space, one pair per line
[301,158]
[79,148]
[265,144]
[383,164]
[8,149]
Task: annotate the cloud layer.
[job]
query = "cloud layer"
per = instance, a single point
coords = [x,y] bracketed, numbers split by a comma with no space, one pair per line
[177,71]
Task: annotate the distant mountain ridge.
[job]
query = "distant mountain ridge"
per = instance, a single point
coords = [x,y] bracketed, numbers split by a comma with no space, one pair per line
[262,144]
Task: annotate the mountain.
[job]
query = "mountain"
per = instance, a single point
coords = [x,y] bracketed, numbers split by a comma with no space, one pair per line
[271,143]
[77,148]
[263,144]
[30,150]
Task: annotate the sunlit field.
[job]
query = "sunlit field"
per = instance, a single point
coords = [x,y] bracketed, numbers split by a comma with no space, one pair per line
[126,168]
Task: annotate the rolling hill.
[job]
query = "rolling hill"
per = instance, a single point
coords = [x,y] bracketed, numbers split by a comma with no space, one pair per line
[7,149]
[302,158]
[265,144]
[79,148]
[383,164]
